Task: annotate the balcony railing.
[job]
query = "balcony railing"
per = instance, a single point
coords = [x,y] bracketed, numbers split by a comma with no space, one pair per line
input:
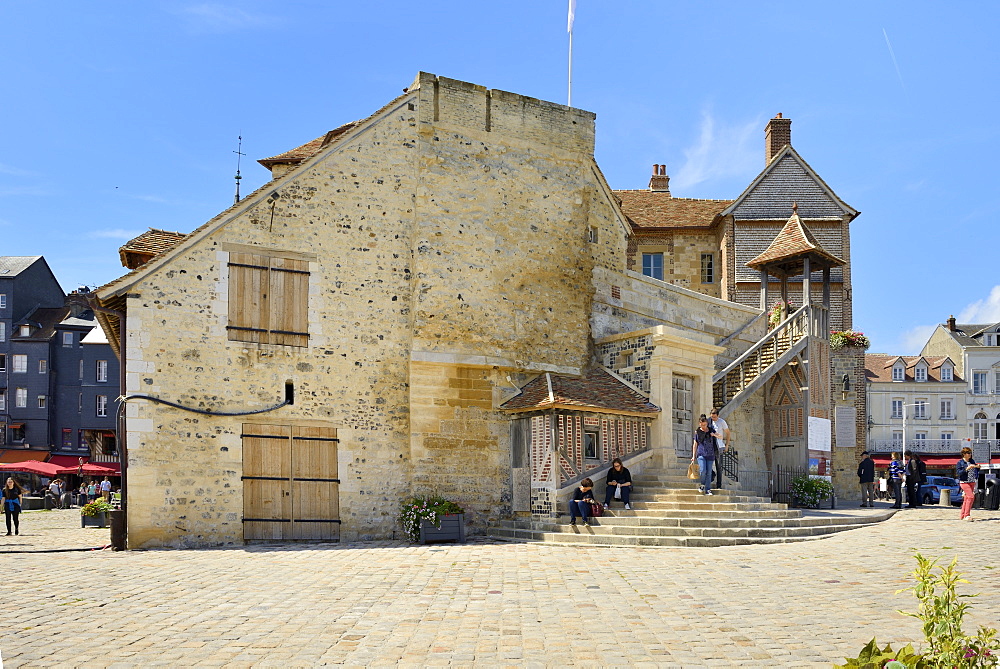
[947,446]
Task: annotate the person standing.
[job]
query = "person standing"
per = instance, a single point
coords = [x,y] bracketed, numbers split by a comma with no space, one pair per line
[720,427]
[703,449]
[91,490]
[55,492]
[967,473]
[12,493]
[106,489]
[896,478]
[619,480]
[866,477]
[912,482]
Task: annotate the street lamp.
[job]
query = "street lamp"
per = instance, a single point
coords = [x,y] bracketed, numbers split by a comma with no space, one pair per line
[915,404]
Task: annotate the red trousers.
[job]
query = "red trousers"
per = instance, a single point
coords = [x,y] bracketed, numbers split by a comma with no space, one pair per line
[968,495]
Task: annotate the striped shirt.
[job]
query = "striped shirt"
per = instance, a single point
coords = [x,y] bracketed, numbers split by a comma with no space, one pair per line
[896,470]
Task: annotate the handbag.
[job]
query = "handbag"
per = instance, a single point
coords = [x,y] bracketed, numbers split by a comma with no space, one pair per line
[694,471]
[596,509]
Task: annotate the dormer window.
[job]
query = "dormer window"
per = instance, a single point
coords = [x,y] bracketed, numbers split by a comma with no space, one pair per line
[946,374]
[25,330]
[920,373]
[898,373]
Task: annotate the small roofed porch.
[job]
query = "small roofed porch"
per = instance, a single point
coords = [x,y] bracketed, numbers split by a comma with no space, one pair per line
[565,429]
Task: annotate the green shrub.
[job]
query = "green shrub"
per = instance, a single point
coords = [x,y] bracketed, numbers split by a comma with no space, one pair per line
[416,509]
[809,491]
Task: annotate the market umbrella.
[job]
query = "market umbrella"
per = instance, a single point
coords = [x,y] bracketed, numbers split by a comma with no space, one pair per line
[33,467]
[88,469]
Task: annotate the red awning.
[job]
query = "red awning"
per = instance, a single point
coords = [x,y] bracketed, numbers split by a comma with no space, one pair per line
[68,460]
[14,455]
[90,469]
[115,466]
[32,466]
[14,426]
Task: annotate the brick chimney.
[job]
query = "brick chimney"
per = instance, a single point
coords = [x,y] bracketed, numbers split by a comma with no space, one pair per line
[777,134]
[660,182]
[951,323]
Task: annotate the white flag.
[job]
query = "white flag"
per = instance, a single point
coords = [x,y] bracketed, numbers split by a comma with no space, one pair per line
[572,15]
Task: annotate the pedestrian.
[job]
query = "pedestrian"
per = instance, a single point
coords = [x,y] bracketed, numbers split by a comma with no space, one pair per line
[106,489]
[912,482]
[619,484]
[721,427]
[580,504]
[12,493]
[883,487]
[55,492]
[967,473]
[703,449]
[896,478]
[91,491]
[866,477]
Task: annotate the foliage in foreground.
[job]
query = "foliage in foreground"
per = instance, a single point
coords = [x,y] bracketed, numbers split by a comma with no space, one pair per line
[809,491]
[416,509]
[942,614]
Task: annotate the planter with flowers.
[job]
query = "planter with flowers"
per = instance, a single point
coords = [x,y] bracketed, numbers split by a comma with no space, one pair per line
[843,338]
[778,312]
[432,520]
[95,514]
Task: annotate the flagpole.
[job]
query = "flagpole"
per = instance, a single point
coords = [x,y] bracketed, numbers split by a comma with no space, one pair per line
[571,15]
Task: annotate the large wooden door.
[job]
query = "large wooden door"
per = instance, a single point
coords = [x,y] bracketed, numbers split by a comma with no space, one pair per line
[683,415]
[290,483]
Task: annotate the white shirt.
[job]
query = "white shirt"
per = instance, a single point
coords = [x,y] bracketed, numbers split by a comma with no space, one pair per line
[720,426]
[105,486]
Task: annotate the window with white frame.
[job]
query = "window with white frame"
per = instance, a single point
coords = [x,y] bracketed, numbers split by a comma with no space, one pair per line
[652,265]
[43,366]
[996,381]
[920,409]
[19,363]
[21,398]
[3,301]
[980,428]
[898,373]
[102,405]
[67,340]
[920,436]
[3,362]
[920,373]
[897,409]
[25,330]
[3,403]
[591,445]
[946,373]
[897,438]
[102,371]
[3,331]
[946,413]
[978,383]
[41,401]
[708,268]
[946,436]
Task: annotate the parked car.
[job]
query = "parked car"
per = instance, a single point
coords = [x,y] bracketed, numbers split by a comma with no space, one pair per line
[930,492]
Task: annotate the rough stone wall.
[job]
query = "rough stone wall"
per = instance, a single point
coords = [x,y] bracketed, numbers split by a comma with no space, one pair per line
[628,357]
[681,257]
[851,361]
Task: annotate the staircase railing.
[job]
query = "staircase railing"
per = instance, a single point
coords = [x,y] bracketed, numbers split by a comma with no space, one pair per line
[747,369]
[729,462]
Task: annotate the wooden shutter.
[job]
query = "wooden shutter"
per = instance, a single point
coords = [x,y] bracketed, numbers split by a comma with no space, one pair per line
[267,512]
[268,299]
[315,484]
[248,297]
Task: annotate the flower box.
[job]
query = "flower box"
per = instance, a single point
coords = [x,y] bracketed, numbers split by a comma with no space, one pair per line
[452,529]
[99,520]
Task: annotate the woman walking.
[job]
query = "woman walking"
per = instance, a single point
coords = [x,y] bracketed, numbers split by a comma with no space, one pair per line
[703,448]
[967,473]
[896,471]
[12,493]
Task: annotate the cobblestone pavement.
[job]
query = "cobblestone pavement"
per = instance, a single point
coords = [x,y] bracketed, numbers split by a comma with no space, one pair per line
[482,603]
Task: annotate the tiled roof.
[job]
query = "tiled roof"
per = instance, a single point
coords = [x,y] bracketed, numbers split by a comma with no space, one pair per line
[794,240]
[43,321]
[657,209]
[309,149]
[878,367]
[597,389]
[149,244]
[967,335]
[14,265]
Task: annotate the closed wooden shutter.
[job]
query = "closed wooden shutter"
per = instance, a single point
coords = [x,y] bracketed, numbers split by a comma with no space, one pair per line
[268,299]
[267,502]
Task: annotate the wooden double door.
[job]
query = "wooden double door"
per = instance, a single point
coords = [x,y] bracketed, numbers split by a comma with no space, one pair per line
[291,488]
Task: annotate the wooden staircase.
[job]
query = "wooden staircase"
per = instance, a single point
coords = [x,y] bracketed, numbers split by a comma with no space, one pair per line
[668,510]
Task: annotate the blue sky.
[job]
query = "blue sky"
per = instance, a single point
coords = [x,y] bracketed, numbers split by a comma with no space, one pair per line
[120,115]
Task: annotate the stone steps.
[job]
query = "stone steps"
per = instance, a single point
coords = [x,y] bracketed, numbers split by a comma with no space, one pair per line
[668,510]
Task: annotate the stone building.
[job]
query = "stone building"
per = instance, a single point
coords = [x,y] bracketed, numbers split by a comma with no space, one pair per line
[431,300]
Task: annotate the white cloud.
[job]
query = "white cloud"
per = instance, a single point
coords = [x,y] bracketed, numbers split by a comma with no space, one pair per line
[913,340]
[115,233]
[211,17]
[721,151]
[16,171]
[983,311]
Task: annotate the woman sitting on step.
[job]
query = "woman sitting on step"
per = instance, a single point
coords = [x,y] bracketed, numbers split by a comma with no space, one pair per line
[703,448]
[619,479]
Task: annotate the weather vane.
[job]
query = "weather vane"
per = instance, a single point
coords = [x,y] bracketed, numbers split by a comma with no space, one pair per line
[239,155]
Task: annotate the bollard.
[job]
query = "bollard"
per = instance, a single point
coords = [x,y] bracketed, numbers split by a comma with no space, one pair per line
[945,497]
[117,529]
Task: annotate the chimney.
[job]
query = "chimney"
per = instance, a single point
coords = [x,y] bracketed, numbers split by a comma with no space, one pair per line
[777,134]
[951,323]
[660,182]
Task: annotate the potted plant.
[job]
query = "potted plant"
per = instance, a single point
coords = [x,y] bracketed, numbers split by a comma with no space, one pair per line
[808,491]
[95,514]
[777,313]
[432,520]
[841,338]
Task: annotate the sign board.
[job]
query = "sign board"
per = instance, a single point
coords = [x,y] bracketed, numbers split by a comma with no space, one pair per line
[820,437]
[846,427]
